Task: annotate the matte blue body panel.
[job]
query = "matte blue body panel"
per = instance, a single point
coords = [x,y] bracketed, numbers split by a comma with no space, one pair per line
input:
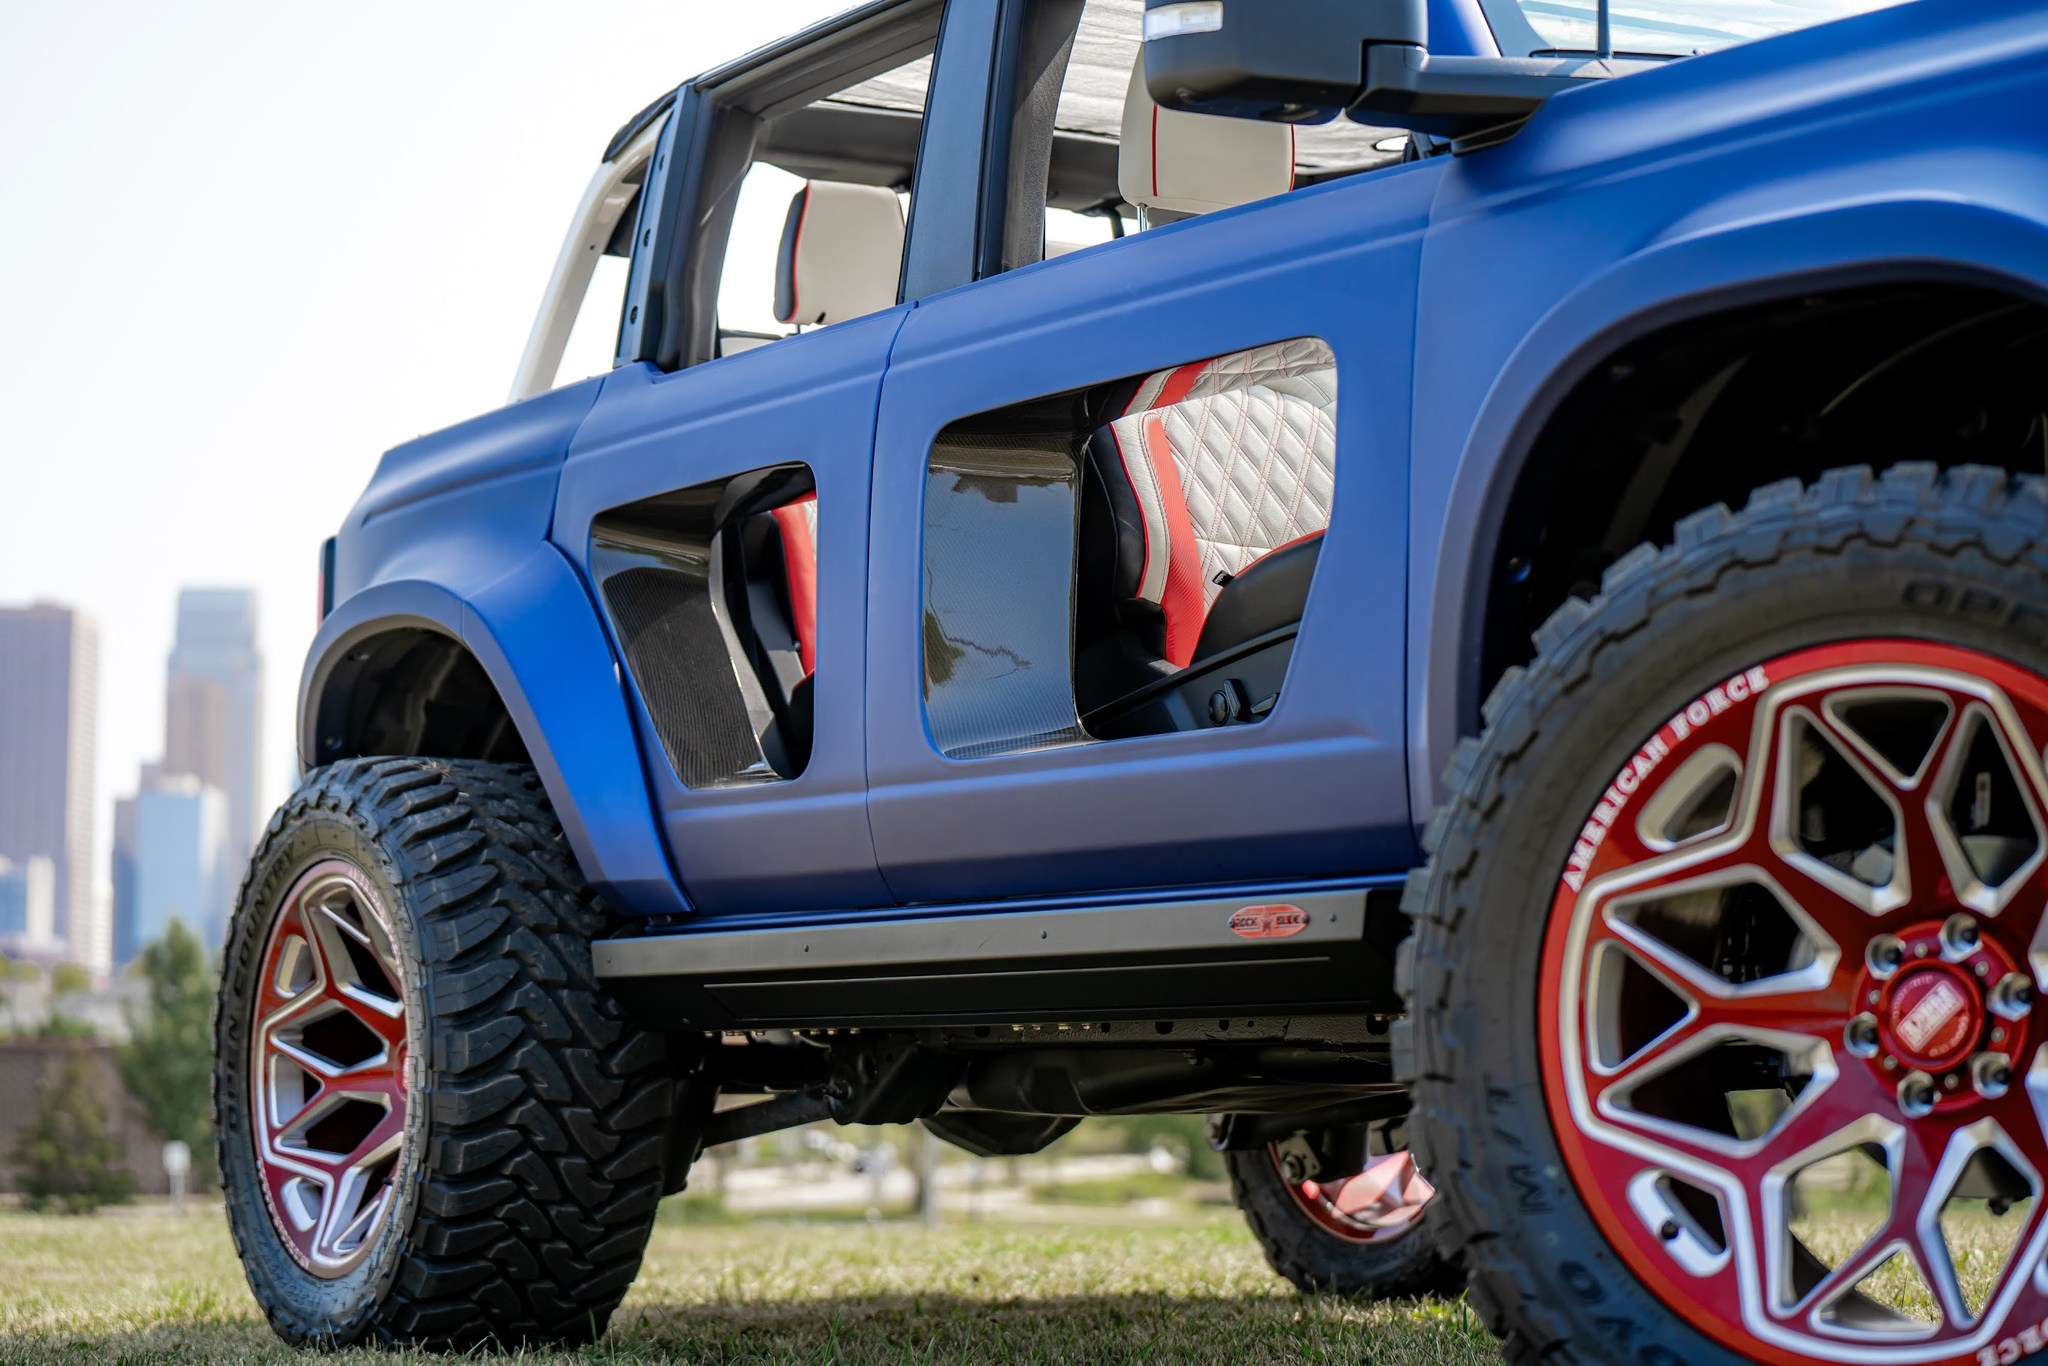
[466,500]
[1457,28]
[450,536]
[772,846]
[1902,144]
[1319,788]
[1462,295]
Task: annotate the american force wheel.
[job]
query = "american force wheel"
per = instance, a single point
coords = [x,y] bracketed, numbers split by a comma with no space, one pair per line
[1342,1211]
[433,1125]
[1725,1040]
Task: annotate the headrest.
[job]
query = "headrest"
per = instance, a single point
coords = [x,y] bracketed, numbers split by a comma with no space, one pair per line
[842,251]
[1179,164]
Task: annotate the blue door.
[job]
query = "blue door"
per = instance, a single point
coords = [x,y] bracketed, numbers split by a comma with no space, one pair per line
[767,844]
[1002,789]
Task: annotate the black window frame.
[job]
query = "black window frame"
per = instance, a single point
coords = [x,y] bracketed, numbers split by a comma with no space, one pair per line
[705,151]
[979,181]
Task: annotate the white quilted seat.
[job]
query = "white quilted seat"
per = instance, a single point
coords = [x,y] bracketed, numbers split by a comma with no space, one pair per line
[1213,467]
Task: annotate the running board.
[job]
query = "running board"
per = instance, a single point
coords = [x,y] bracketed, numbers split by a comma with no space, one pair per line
[1303,952]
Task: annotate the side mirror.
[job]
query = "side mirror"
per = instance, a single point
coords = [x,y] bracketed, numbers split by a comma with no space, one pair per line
[1302,61]
[1306,61]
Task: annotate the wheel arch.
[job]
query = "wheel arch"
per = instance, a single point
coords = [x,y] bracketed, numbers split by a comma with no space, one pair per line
[1456,594]
[518,670]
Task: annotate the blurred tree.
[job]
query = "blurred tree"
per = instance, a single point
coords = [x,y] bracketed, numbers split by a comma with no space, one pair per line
[1186,1136]
[169,1064]
[64,1027]
[69,977]
[65,1157]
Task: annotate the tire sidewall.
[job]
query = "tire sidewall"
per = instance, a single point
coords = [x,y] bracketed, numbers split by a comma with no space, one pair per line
[305,1306]
[1636,679]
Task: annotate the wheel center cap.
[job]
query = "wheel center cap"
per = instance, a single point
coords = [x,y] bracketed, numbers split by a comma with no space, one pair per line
[1934,1015]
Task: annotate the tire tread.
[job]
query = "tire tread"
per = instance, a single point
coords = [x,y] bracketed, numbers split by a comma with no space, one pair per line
[537,1193]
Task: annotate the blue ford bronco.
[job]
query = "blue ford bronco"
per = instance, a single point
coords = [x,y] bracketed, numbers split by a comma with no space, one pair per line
[1461,587]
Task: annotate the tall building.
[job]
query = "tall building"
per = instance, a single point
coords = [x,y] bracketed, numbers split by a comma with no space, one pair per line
[127,925]
[49,729]
[28,906]
[213,704]
[180,863]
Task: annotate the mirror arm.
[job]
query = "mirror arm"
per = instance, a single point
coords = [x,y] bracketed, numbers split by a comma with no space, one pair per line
[1475,101]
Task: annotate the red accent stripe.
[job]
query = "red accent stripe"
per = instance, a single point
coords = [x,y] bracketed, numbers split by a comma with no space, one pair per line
[800,563]
[1173,501]
[1155,151]
[1183,600]
[1179,383]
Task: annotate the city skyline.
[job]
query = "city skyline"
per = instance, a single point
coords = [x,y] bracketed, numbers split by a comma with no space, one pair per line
[213,705]
[49,734]
[183,836]
[184,487]
[180,837]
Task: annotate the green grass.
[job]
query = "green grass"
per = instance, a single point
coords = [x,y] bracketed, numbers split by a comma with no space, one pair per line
[1115,1190]
[144,1286]
[147,1287]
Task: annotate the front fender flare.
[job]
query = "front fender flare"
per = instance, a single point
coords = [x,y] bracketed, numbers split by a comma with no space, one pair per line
[1842,245]
[538,639]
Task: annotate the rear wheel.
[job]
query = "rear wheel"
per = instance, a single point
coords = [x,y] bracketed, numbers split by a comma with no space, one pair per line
[1726,1045]
[434,1127]
[1342,1211]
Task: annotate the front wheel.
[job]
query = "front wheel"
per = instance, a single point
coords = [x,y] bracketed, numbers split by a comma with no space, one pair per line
[434,1127]
[1726,1043]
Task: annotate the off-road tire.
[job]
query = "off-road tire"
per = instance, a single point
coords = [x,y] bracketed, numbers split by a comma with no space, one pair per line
[532,1159]
[1317,1261]
[1957,556]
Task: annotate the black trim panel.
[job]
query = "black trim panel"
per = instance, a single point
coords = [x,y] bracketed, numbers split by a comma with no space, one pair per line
[1087,964]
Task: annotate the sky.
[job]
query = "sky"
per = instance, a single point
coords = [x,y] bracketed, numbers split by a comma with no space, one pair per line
[247,247]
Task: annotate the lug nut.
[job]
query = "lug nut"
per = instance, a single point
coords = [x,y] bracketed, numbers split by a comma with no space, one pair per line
[1916,1094]
[1992,1072]
[1885,954]
[1959,935]
[2013,996]
[1861,1035]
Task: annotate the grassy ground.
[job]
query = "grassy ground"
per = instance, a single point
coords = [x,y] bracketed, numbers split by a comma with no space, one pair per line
[147,1287]
[144,1286]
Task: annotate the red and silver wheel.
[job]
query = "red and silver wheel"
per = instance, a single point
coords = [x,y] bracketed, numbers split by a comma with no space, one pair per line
[1384,1200]
[1789,1035]
[415,928]
[327,1066]
[1342,1210]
